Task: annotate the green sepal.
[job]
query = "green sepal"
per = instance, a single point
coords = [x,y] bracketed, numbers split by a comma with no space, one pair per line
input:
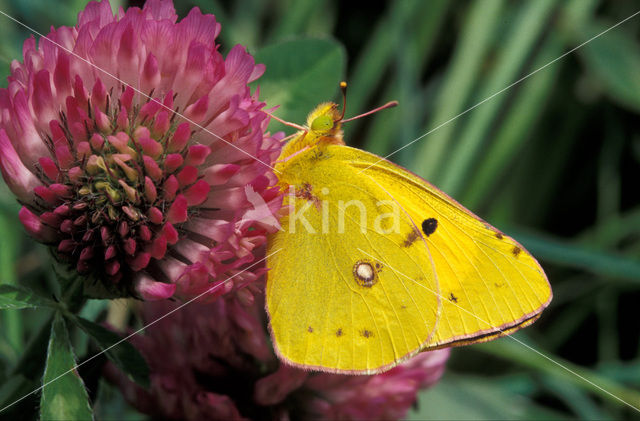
[63,393]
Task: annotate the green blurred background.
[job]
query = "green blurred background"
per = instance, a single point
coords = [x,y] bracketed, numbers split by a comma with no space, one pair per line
[552,160]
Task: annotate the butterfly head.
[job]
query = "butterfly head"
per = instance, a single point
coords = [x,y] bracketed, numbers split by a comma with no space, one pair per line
[325,121]
[324,127]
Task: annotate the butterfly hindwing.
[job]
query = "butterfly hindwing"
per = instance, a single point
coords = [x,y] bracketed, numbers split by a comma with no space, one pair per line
[334,301]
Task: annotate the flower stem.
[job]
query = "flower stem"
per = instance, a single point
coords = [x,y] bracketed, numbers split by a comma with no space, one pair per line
[72,298]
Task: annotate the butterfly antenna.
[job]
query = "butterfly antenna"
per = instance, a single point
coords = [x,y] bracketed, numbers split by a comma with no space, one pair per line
[286,123]
[389,104]
[343,88]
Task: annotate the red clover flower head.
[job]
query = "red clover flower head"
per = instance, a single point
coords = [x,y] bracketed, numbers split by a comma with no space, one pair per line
[217,363]
[139,153]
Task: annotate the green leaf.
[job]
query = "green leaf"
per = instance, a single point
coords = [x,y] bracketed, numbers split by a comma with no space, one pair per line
[124,355]
[475,398]
[299,75]
[572,255]
[615,61]
[63,393]
[15,297]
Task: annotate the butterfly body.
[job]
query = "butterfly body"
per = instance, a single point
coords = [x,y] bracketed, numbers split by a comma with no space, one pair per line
[324,132]
[374,264]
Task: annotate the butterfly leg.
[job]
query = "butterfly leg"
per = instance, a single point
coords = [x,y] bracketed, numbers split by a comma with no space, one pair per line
[285,159]
[291,136]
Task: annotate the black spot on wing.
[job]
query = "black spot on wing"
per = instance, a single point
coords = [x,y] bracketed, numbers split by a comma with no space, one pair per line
[429,226]
[516,251]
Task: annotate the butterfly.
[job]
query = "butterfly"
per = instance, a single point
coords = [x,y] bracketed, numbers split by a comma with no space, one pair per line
[373,264]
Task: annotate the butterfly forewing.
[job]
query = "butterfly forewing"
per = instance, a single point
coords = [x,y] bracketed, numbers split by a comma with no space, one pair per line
[488,283]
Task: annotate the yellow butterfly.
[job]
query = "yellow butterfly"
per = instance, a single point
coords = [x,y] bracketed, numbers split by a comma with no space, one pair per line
[373,264]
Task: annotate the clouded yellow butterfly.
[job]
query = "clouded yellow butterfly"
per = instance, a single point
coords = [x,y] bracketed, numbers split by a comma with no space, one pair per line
[373,264]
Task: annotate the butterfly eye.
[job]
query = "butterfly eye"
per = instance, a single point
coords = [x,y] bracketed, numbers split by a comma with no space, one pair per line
[322,123]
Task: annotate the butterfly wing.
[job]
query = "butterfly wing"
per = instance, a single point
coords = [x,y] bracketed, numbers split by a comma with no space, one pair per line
[333,300]
[447,278]
[489,284]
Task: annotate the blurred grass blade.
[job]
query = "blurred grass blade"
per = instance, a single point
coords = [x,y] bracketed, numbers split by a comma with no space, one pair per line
[561,253]
[576,399]
[606,312]
[623,371]
[608,233]
[540,185]
[511,350]
[566,324]
[295,17]
[516,128]
[27,374]
[614,59]
[531,20]
[244,26]
[377,58]
[32,361]
[124,355]
[609,177]
[65,397]
[475,398]
[13,389]
[469,55]
[9,248]
[37,12]
[395,127]
[11,41]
